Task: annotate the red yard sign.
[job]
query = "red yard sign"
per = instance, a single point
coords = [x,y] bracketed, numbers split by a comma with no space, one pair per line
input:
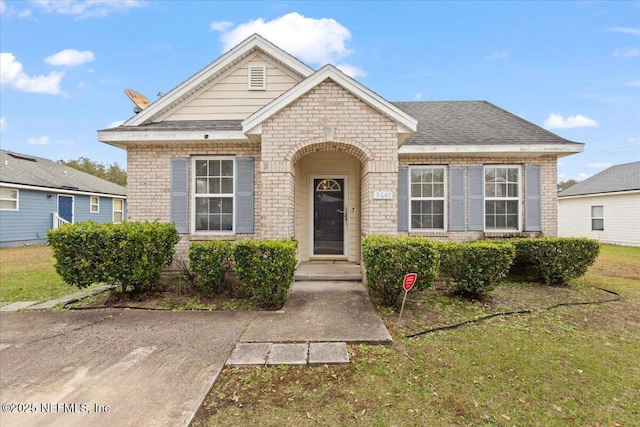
[409,281]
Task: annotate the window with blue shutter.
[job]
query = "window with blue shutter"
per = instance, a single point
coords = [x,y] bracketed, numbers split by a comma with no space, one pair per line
[533,198]
[456,199]
[475,176]
[403,198]
[244,195]
[179,194]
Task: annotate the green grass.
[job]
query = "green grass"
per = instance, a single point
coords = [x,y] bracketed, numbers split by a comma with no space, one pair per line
[571,366]
[27,274]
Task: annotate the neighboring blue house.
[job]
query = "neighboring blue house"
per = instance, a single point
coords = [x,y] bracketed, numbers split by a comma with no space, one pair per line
[37,195]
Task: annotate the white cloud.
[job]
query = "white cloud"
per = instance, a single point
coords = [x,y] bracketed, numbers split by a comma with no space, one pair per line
[633,141]
[599,165]
[351,70]
[3,124]
[41,140]
[7,10]
[70,57]
[221,26]
[625,30]
[87,8]
[116,123]
[626,52]
[556,121]
[417,96]
[496,55]
[315,41]
[635,83]
[13,75]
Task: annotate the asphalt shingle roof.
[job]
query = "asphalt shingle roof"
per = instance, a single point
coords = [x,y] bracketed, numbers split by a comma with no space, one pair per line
[625,177]
[185,125]
[472,122]
[24,169]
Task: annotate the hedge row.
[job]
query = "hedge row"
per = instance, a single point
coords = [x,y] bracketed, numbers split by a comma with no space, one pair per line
[387,259]
[556,260]
[126,254]
[264,267]
[472,268]
[475,268]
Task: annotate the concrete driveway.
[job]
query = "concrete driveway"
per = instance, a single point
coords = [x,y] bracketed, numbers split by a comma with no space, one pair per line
[111,367]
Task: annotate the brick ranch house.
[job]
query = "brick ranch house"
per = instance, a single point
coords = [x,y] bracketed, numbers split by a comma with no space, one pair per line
[259,145]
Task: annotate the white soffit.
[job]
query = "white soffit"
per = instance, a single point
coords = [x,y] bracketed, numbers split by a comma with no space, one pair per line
[250,124]
[516,149]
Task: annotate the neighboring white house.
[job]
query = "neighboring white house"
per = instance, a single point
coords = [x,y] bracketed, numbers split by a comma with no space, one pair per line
[604,207]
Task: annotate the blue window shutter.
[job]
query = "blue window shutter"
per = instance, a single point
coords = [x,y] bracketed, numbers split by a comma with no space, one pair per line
[403,198]
[475,176]
[179,210]
[456,199]
[533,198]
[244,195]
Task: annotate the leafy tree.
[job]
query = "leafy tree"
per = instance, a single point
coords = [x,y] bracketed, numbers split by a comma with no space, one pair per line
[563,185]
[111,172]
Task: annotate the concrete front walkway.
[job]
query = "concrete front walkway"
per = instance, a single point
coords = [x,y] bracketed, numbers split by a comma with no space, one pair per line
[321,312]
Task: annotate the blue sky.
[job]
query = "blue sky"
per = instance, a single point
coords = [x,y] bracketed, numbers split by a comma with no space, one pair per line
[570,67]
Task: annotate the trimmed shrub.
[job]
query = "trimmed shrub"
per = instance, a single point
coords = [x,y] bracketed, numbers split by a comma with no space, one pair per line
[266,268]
[475,268]
[387,259]
[210,262]
[126,254]
[556,260]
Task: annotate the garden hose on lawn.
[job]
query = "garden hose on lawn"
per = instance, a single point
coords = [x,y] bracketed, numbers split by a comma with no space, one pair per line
[616,297]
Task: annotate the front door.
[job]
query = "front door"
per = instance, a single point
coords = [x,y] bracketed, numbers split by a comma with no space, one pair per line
[65,208]
[329,217]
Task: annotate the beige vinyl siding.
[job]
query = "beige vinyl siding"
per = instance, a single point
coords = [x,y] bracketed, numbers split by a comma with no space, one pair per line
[327,163]
[231,99]
[621,225]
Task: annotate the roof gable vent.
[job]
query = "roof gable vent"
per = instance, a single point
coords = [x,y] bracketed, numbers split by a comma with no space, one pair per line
[257,77]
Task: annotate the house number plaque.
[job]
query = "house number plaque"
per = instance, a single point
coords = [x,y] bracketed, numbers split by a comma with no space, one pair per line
[382,195]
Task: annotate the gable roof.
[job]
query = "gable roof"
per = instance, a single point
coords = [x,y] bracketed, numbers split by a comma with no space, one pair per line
[251,123]
[25,170]
[625,177]
[214,70]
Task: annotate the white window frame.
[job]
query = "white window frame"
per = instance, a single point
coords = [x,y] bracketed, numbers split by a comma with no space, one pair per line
[94,202]
[120,211]
[594,217]
[443,198]
[11,199]
[518,199]
[194,195]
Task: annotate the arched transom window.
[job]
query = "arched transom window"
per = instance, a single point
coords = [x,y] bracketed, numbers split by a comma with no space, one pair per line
[328,185]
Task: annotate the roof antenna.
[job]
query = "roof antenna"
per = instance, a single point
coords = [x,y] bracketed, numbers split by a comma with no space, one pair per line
[141,102]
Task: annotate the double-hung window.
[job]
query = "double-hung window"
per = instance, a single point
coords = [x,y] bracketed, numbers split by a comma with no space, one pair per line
[94,204]
[9,199]
[118,210]
[597,218]
[427,197]
[214,194]
[502,197]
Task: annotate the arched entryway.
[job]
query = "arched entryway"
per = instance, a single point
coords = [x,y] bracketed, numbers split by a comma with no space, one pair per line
[328,203]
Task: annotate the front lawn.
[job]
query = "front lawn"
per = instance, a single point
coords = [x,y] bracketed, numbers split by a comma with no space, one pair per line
[570,366]
[27,274]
